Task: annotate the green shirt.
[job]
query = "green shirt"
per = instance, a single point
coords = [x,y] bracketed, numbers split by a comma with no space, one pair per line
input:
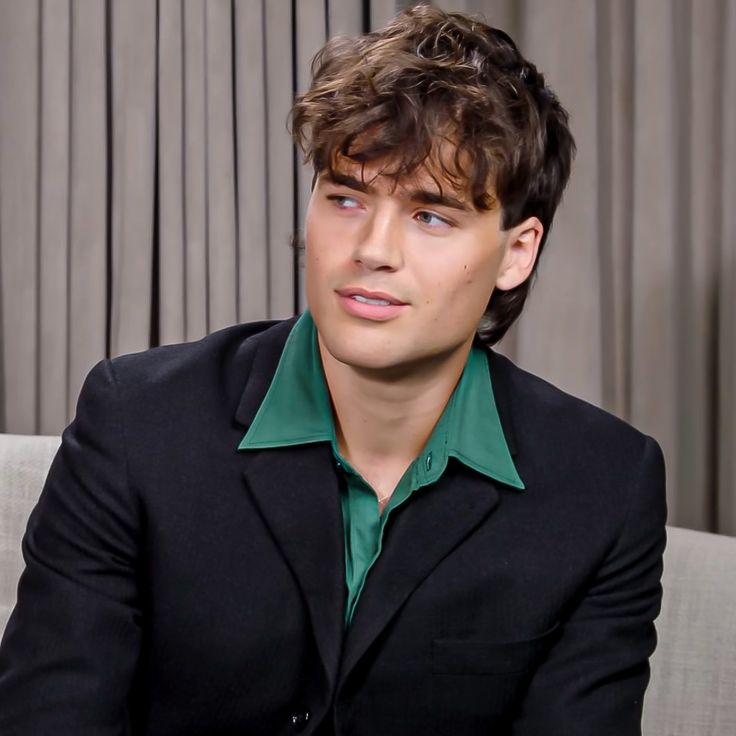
[297,410]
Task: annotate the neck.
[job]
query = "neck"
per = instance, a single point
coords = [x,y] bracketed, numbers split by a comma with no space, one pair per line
[387,417]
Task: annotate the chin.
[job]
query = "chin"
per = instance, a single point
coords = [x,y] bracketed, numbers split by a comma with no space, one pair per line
[359,352]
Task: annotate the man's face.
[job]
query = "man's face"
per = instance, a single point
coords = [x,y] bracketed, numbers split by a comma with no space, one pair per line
[398,276]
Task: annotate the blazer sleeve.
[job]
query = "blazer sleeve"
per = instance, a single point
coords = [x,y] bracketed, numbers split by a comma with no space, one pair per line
[70,649]
[594,678]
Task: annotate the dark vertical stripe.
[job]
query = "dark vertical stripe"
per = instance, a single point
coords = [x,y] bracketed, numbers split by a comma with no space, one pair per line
[295,168]
[182,184]
[206,172]
[109,143]
[236,158]
[70,205]
[366,21]
[267,144]
[628,207]
[681,96]
[2,323]
[154,337]
[39,173]
[685,304]
[2,326]
[719,385]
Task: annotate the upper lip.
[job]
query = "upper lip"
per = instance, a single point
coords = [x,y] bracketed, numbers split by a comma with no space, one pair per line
[357,291]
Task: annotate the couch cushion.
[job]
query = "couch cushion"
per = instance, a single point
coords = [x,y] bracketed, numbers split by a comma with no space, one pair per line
[24,463]
[693,686]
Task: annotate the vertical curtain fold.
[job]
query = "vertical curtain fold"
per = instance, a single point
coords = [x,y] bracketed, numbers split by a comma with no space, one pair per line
[20,44]
[699,248]
[652,289]
[614,123]
[195,171]
[53,214]
[133,129]
[251,126]
[89,194]
[171,169]
[564,305]
[311,25]
[724,385]
[221,197]
[280,174]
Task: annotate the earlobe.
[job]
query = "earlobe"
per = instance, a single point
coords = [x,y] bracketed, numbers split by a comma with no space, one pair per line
[522,248]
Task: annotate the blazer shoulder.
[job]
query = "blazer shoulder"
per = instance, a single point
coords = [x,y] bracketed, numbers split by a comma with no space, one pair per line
[229,345]
[542,411]
[201,374]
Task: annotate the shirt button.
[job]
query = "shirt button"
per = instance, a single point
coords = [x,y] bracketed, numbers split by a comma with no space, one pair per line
[428,462]
[300,720]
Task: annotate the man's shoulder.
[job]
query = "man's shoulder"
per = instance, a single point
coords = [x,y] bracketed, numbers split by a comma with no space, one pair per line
[193,372]
[551,421]
[233,344]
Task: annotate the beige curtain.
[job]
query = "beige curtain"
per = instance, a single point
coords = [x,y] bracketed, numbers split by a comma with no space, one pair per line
[149,194]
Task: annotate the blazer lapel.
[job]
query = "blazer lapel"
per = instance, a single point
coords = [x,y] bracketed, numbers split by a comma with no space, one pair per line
[440,517]
[296,492]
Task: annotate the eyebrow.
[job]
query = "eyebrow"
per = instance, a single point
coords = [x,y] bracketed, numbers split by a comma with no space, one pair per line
[422,196]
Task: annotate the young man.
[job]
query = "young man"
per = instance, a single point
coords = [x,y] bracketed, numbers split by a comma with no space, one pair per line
[363,521]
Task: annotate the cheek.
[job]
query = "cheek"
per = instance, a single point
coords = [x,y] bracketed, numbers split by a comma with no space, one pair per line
[467,294]
[316,248]
[471,278]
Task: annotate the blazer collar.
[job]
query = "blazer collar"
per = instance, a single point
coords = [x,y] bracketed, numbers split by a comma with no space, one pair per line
[262,354]
[501,369]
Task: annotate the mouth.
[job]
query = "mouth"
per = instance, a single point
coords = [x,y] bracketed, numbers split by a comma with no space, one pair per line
[376,298]
[374,306]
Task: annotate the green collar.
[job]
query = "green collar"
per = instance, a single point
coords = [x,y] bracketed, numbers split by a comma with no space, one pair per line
[297,410]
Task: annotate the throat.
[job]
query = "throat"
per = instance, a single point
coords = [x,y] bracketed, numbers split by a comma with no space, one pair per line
[383,476]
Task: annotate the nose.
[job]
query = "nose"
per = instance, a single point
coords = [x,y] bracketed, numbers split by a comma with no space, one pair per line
[379,246]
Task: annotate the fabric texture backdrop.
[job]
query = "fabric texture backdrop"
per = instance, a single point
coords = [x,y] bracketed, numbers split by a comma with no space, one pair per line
[149,193]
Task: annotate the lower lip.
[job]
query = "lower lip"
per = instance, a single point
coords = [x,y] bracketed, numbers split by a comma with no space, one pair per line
[375,312]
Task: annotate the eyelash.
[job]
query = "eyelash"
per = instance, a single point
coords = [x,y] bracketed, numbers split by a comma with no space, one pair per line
[336,198]
[445,223]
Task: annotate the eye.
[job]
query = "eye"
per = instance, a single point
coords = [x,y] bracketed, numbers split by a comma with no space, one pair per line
[344,202]
[432,220]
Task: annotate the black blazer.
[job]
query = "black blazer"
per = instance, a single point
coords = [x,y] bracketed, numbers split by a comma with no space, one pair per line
[177,586]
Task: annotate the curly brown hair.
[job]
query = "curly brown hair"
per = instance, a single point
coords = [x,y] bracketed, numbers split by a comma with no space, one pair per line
[430,77]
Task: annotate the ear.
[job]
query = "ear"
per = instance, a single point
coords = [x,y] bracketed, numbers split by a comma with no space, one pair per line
[521,249]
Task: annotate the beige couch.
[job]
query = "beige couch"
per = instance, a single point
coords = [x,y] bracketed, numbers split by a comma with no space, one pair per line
[693,686]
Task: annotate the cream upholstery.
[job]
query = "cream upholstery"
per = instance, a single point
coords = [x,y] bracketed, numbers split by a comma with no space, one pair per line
[24,462]
[693,686]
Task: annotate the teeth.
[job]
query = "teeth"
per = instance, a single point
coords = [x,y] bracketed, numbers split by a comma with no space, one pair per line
[366,300]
